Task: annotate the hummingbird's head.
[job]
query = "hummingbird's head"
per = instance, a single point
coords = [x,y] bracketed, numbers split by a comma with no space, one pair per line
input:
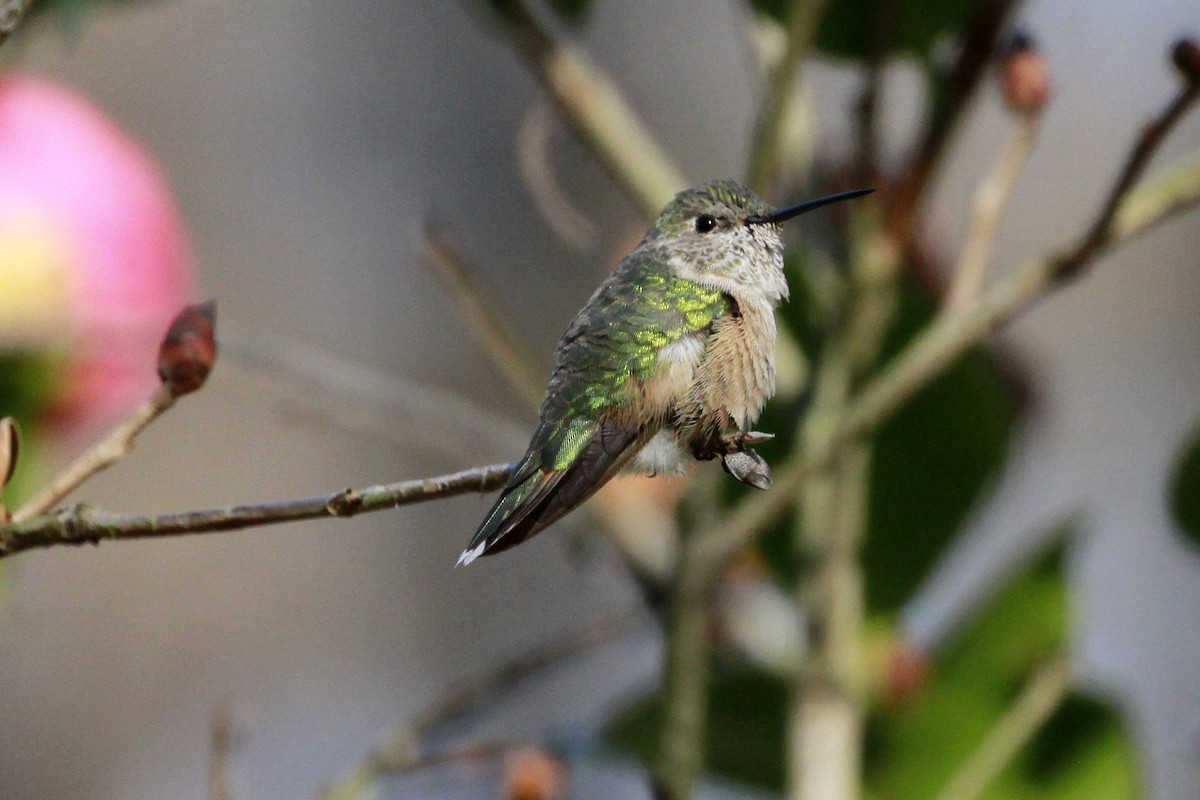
[724,235]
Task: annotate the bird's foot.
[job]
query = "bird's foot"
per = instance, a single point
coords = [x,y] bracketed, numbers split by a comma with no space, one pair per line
[748,467]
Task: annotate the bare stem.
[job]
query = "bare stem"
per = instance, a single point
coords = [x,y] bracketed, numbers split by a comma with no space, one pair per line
[537,172]
[1042,695]
[12,12]
[803,18]
[220,748]
[82,524]
[491,330]
[594,106]
[991,200]
[686,668]
[113,447]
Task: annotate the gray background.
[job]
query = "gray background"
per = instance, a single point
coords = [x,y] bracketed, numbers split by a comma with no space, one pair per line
[305,142]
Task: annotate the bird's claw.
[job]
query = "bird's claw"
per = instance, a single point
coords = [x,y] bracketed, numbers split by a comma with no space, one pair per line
[748,467]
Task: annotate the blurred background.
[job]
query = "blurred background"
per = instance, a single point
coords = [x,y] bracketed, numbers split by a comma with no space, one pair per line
[305,143]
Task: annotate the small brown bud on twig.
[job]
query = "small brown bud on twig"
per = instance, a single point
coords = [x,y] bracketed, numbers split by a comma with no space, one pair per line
[10,440]
[1024,76]
[534,774]
[1186,55]
[189,349]
[907,673]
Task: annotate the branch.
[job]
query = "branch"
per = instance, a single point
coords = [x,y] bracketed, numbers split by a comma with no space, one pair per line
[12,12]
[991,200]
[1040,698]
[83,524]
[537,171]
[491,330]
[219,749]
[596,109]
[1147,145]
[803,18]
[99,457]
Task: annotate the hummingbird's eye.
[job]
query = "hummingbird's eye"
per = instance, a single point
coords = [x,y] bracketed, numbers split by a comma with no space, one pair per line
[705,223]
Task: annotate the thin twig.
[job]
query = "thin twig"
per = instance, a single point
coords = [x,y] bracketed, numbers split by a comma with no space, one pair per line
[1041,697]
[491,330]
[220,748]
[1139,158]
[12,12]
[403,746]
[115,446]
[991,200]
[357,784]
[337,392]
[599,113]
[537,172]
[83,524]
[803,18]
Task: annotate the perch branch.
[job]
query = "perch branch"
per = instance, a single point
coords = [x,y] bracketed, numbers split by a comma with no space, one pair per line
[100,456]
[594,106]
[83,524]
[1042,695]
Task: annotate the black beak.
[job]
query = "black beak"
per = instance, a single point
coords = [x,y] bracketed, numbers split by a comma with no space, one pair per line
[775,217]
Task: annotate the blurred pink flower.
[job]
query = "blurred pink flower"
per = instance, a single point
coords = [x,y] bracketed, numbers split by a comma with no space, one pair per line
[94,260]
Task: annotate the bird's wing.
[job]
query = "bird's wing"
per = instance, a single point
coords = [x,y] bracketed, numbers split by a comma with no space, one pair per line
[588,430]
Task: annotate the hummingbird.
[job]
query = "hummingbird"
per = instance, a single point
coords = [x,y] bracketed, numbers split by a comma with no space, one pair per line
[670,361]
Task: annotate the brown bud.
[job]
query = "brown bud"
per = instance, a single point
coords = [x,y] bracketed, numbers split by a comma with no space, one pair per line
[907,672]
[189,349]
[1186,55]
[534,774]
[10,441]
[1024,76]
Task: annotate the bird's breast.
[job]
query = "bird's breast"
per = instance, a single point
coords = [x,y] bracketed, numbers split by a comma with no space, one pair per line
[738,373]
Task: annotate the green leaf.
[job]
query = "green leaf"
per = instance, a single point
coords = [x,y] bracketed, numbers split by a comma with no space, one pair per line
[915,26]
[1185,489]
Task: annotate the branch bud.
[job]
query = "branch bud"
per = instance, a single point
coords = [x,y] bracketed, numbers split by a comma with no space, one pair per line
[1024,76]
[189,349]
[10,441]
[1186,55]
[533,774]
